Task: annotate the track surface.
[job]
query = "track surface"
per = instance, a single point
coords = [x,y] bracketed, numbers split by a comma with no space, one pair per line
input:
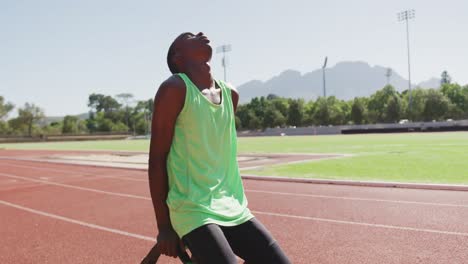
[61,213]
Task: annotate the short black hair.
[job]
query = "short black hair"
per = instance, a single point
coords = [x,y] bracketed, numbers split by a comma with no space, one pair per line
[171,52]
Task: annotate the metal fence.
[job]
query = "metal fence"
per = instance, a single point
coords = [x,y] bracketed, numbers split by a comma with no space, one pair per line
[459,125]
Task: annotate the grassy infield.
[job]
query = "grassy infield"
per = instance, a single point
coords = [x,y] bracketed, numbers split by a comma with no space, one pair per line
[415,157]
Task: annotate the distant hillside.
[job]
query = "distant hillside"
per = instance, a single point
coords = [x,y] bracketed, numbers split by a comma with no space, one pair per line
[431,83]
[51,119]
[345,80]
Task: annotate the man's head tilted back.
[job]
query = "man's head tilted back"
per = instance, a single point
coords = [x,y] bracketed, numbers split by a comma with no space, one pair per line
[188,47]
[172,52]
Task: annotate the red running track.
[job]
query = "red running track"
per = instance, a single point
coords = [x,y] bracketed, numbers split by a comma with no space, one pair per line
[61,213]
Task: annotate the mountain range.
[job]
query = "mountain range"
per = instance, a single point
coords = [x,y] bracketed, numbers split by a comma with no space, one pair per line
[345,80]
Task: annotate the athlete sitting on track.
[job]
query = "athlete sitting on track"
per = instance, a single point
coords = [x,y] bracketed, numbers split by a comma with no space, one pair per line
[194,177]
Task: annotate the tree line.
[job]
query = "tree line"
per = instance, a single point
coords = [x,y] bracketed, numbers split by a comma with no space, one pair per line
[386,105]
[122,113]
[107,114]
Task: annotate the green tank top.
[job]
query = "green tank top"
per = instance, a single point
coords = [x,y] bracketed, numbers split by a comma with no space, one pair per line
[203,174]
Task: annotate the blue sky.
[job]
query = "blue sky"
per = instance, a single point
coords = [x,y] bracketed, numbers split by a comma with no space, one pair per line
[56,53]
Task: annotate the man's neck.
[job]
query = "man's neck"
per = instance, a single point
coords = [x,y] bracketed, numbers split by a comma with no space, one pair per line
[200,75]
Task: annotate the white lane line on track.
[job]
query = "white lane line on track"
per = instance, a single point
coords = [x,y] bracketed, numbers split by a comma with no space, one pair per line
[8,181]
[247,190]
[333,156]
[362,224]
[81,223]
[356,198]
[76,187]
[67,171]
[257,212]
[128,234]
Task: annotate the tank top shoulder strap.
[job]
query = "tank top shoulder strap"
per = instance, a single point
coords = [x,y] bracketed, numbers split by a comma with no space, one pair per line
[189,92]
[186,79]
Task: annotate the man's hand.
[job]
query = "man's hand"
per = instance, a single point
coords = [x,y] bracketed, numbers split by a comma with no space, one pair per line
[168,241]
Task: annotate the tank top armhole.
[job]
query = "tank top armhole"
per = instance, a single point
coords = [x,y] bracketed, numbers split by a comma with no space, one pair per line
[228,91]
[187,91]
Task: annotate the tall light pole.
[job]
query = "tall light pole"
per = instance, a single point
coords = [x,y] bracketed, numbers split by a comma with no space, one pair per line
[388,74]
[405,16]
[323,72]
[224,48]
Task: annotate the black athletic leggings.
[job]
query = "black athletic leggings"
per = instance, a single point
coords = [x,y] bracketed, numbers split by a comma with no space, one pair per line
[214,244]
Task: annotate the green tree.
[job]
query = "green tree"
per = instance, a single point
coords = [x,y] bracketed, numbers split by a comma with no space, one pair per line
[91,123]
[309,113]
[5,108]
[254,121]
[125,100]
[281,104]
[436,105]
[321,115]
[296,112]
[418,101]
[337,110]
[251,115]
[106,113]
[238,123]
[358,111]
[329,111]
[28,116]
[119,127]
[17,126]
[95,101]
[54,128]
[465,107]
[458,96]
[258,106]
[455,112]
[4,128]
[105,103]
[378,104]
[70,125]
[243,114]
[104,124]
[141,126]
[273,118]
[141,116]
[393,109]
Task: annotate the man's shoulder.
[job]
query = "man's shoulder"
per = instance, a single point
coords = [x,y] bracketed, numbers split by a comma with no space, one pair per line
[174,82]
[231,87]
[173,88]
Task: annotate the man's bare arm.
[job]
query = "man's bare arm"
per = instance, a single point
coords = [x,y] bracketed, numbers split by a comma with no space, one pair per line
[168,103]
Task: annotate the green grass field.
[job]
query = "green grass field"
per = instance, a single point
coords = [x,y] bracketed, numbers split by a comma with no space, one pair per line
[414,157]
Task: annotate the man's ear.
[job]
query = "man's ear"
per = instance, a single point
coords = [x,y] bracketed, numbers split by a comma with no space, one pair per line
[177,60]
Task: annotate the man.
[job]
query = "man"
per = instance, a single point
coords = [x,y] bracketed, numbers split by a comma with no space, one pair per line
[194,177]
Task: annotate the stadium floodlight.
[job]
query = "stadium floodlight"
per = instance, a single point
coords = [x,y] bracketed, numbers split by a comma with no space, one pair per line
[388,74]
[405,16]
[224,48]
[323,72]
